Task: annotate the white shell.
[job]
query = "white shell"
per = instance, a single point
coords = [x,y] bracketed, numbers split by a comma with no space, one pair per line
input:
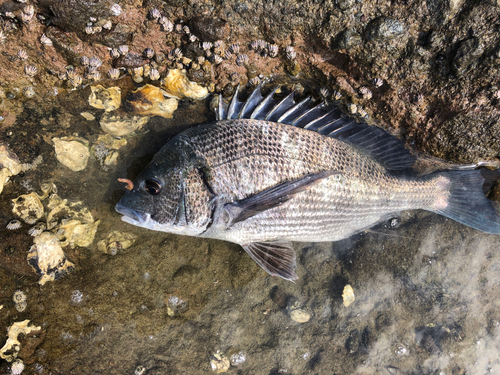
[348,295]
[300,316]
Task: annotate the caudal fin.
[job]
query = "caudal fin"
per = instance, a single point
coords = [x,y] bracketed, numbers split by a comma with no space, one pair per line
[467,202]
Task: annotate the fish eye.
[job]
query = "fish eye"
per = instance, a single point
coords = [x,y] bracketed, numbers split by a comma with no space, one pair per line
[152,186]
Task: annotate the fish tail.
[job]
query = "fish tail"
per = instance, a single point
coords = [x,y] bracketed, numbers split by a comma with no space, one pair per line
[464,199]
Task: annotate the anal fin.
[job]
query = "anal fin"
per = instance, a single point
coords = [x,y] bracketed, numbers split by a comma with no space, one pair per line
[276,257]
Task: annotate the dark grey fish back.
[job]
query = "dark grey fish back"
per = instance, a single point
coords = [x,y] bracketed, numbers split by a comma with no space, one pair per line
[384,147]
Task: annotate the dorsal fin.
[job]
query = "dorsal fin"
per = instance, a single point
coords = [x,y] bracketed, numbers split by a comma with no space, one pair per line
[381,145]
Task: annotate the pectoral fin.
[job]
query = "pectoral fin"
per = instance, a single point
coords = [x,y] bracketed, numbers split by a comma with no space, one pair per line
[272,197]
[276,257]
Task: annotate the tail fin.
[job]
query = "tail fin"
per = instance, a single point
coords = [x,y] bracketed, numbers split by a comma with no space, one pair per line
[467,202]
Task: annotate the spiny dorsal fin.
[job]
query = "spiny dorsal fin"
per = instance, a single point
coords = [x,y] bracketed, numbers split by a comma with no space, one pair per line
[381,145]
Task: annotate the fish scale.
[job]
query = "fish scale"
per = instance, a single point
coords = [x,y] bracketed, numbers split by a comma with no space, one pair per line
[332,208]
[317,175]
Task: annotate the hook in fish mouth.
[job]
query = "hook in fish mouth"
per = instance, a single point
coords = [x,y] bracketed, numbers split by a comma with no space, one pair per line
[130,184]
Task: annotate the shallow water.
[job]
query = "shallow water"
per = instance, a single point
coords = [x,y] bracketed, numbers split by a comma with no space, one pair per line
[426,289]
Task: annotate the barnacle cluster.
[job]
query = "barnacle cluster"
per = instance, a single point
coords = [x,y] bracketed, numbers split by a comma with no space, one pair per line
[19,299]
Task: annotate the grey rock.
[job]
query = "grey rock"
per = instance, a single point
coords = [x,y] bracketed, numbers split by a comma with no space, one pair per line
[456,139]
[347,39]
[120,35]
[67,44]
[72,15]
[174,3]
[209,29]
[353,341]
[384,28]
[346,4]
[466,56]
[441,11]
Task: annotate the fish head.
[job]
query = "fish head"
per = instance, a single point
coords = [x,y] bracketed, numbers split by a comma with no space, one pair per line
[156,200]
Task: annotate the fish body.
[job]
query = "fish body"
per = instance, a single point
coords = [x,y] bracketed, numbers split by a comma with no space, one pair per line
[261,182]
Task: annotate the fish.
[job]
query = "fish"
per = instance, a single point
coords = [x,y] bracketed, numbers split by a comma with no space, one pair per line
[271,171]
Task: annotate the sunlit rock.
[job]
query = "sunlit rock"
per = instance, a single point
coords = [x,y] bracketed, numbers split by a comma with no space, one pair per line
[121,125]
[47,258]
[108,99]
[72,152]
[177,85]
[149,100]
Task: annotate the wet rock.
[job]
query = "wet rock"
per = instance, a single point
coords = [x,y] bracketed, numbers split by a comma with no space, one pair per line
[209,29]
[430,337]
[467,54]
[28,207]
[121,34]
[441,11]
[174,3]
[121,125]
[47,258]
[176,305]
[367,339]
[150,101]
[353,341]
[108,99]
[456,138]
[345,4]
[383,28]
[177,85]
[12,347]
[199,76]
[292,67]
[279,297]
[347,39]
[72,152]
[130,60]
[73,15]
[67,44]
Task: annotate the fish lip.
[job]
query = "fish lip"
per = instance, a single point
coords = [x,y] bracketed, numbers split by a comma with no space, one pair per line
[129,215]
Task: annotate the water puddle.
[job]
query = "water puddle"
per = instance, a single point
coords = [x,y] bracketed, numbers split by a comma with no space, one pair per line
[426,288]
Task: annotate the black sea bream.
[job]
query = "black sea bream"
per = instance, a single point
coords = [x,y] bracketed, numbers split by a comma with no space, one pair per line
[269,172]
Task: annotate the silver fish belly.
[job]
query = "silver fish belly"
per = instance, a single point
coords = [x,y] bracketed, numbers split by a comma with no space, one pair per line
[270,172]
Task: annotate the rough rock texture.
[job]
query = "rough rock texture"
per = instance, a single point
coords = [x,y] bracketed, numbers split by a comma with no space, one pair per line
[439,60]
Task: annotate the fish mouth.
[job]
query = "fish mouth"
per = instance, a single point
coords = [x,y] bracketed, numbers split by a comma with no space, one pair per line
[131,216]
